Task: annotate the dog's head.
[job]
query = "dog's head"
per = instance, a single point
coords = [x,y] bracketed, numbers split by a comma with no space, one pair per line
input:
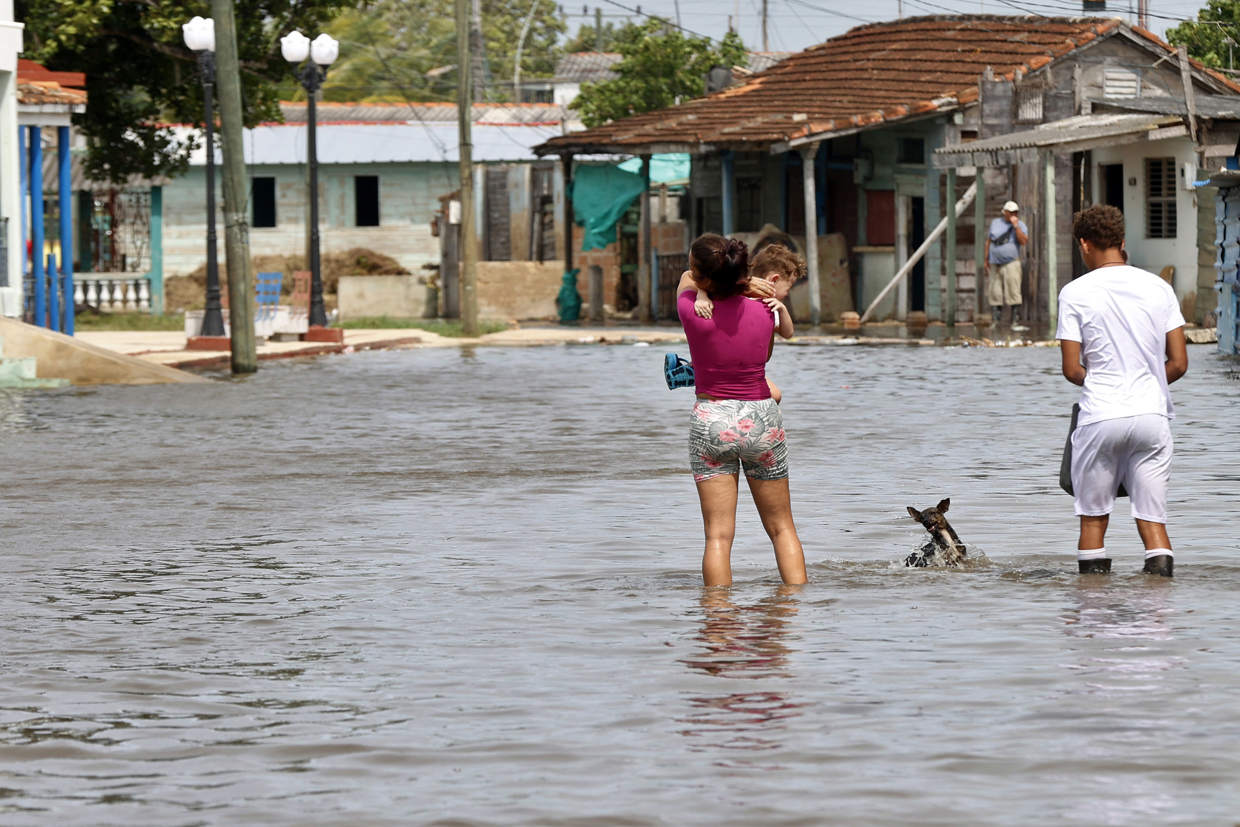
[932,518]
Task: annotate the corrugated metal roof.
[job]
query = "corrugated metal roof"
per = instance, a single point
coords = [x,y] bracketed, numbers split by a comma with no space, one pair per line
[587,67]
[1068,135]
[496,113]
[385,143]
[871,75]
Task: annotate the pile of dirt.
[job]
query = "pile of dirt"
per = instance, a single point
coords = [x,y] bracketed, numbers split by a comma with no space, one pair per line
[189,292]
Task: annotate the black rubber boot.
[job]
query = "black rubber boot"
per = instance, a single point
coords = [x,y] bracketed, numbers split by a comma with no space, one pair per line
[1161,564]
[1100,565]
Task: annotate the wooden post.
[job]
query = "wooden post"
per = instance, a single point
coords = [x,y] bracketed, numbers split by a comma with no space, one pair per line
[236,191]
[464,118]
[1051,241]
[811,232]
[729,219]
[949,264]
[980,234]
[644,245]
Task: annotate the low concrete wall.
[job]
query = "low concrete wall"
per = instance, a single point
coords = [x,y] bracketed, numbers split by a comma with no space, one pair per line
[518,289]
[398,297]
[62,357]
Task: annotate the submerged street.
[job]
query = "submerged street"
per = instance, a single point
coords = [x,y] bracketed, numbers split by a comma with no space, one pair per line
[461,586]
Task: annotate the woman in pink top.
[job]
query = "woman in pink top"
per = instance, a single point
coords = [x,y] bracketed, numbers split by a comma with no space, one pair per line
[735,423]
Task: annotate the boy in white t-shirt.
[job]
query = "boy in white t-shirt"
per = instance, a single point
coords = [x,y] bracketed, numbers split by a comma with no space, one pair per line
[1122,339]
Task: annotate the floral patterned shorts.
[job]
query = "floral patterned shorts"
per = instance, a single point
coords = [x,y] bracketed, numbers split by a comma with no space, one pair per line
[731,433]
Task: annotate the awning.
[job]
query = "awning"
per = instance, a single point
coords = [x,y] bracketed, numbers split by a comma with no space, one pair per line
[1069,135]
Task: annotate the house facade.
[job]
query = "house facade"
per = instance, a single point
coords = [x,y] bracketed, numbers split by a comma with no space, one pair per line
[859,134]
[382,170]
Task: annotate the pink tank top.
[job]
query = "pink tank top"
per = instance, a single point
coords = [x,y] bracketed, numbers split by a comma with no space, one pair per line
[729,350]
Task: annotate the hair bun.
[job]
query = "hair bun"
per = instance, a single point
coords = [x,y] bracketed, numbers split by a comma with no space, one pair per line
[737,253]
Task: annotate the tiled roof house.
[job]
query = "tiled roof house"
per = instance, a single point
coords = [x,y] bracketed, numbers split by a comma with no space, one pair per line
[871,107]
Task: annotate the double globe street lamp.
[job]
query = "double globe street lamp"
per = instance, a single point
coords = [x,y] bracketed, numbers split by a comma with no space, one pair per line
[324,49]
[200,38]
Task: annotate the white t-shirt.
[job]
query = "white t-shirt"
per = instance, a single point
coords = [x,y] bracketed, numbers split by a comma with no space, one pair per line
[1121,316]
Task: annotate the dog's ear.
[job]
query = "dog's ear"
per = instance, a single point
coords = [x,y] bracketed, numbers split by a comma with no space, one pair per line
[943,505]
[914,513]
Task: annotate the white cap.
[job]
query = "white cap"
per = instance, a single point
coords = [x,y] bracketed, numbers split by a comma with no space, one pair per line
[1011,206]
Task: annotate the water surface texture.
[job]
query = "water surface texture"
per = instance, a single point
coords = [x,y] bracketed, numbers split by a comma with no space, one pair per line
[462,587]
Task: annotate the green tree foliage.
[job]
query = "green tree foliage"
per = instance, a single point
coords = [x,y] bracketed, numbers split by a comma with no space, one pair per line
[613,35]
[405,50]
[1206,37]
[656,69]
[139,73]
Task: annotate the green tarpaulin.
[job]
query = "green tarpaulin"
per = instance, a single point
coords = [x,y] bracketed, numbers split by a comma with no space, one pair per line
[602,193]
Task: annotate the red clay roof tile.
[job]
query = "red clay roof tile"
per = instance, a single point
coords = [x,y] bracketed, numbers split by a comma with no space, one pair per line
[873,73]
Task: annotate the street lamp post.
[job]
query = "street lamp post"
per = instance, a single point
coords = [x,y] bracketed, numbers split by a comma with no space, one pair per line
[296,47]
[200,38]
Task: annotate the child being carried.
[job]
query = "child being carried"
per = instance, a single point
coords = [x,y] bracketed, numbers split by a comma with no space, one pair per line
[778,265]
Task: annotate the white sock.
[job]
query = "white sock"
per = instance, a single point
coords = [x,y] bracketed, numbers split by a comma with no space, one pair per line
[1154,552]
[1092,554]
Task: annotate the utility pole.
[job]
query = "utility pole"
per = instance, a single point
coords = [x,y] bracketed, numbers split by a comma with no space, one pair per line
[236,227]
[598,29]
[468,259]
[766,44]
[476,67]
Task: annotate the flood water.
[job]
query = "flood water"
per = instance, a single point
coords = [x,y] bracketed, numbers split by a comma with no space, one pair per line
[461,587]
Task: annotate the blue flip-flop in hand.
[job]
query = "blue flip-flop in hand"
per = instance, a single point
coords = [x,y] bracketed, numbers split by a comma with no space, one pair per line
[678,372]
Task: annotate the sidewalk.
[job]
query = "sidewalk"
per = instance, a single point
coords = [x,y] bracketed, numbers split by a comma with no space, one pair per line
[168,347]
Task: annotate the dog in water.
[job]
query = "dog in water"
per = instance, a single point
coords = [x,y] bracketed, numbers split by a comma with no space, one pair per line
[944,545]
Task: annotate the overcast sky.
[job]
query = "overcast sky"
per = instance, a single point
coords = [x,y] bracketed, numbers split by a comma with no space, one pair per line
[797,24]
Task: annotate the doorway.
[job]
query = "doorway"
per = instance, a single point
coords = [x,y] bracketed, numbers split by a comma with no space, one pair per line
[1113,185]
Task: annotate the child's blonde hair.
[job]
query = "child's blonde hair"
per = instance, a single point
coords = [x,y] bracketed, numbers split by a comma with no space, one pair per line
[776,258]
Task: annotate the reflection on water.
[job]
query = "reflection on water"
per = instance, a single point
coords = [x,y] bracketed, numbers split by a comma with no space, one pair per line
[1103,611]
[749,641]
[745,641]
[462,587]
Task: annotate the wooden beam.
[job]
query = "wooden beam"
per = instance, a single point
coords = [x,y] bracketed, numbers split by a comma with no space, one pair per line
[961,206]
[1190,99]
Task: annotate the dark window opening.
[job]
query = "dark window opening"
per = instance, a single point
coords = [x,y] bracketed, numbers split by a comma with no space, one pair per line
[263,198]
[366,200]
[748,204]
[1160,198]
[911,151]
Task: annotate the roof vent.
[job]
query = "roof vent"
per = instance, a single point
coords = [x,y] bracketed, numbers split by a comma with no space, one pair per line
[1094,6]
[1120,84]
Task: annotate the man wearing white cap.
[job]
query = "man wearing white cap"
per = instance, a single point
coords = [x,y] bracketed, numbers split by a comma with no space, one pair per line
[1007,235]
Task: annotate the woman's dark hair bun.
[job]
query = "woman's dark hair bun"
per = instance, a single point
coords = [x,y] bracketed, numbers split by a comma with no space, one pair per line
[738,255]
[721,265]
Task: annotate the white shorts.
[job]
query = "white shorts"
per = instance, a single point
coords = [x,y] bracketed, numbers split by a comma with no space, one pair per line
[1134,450]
